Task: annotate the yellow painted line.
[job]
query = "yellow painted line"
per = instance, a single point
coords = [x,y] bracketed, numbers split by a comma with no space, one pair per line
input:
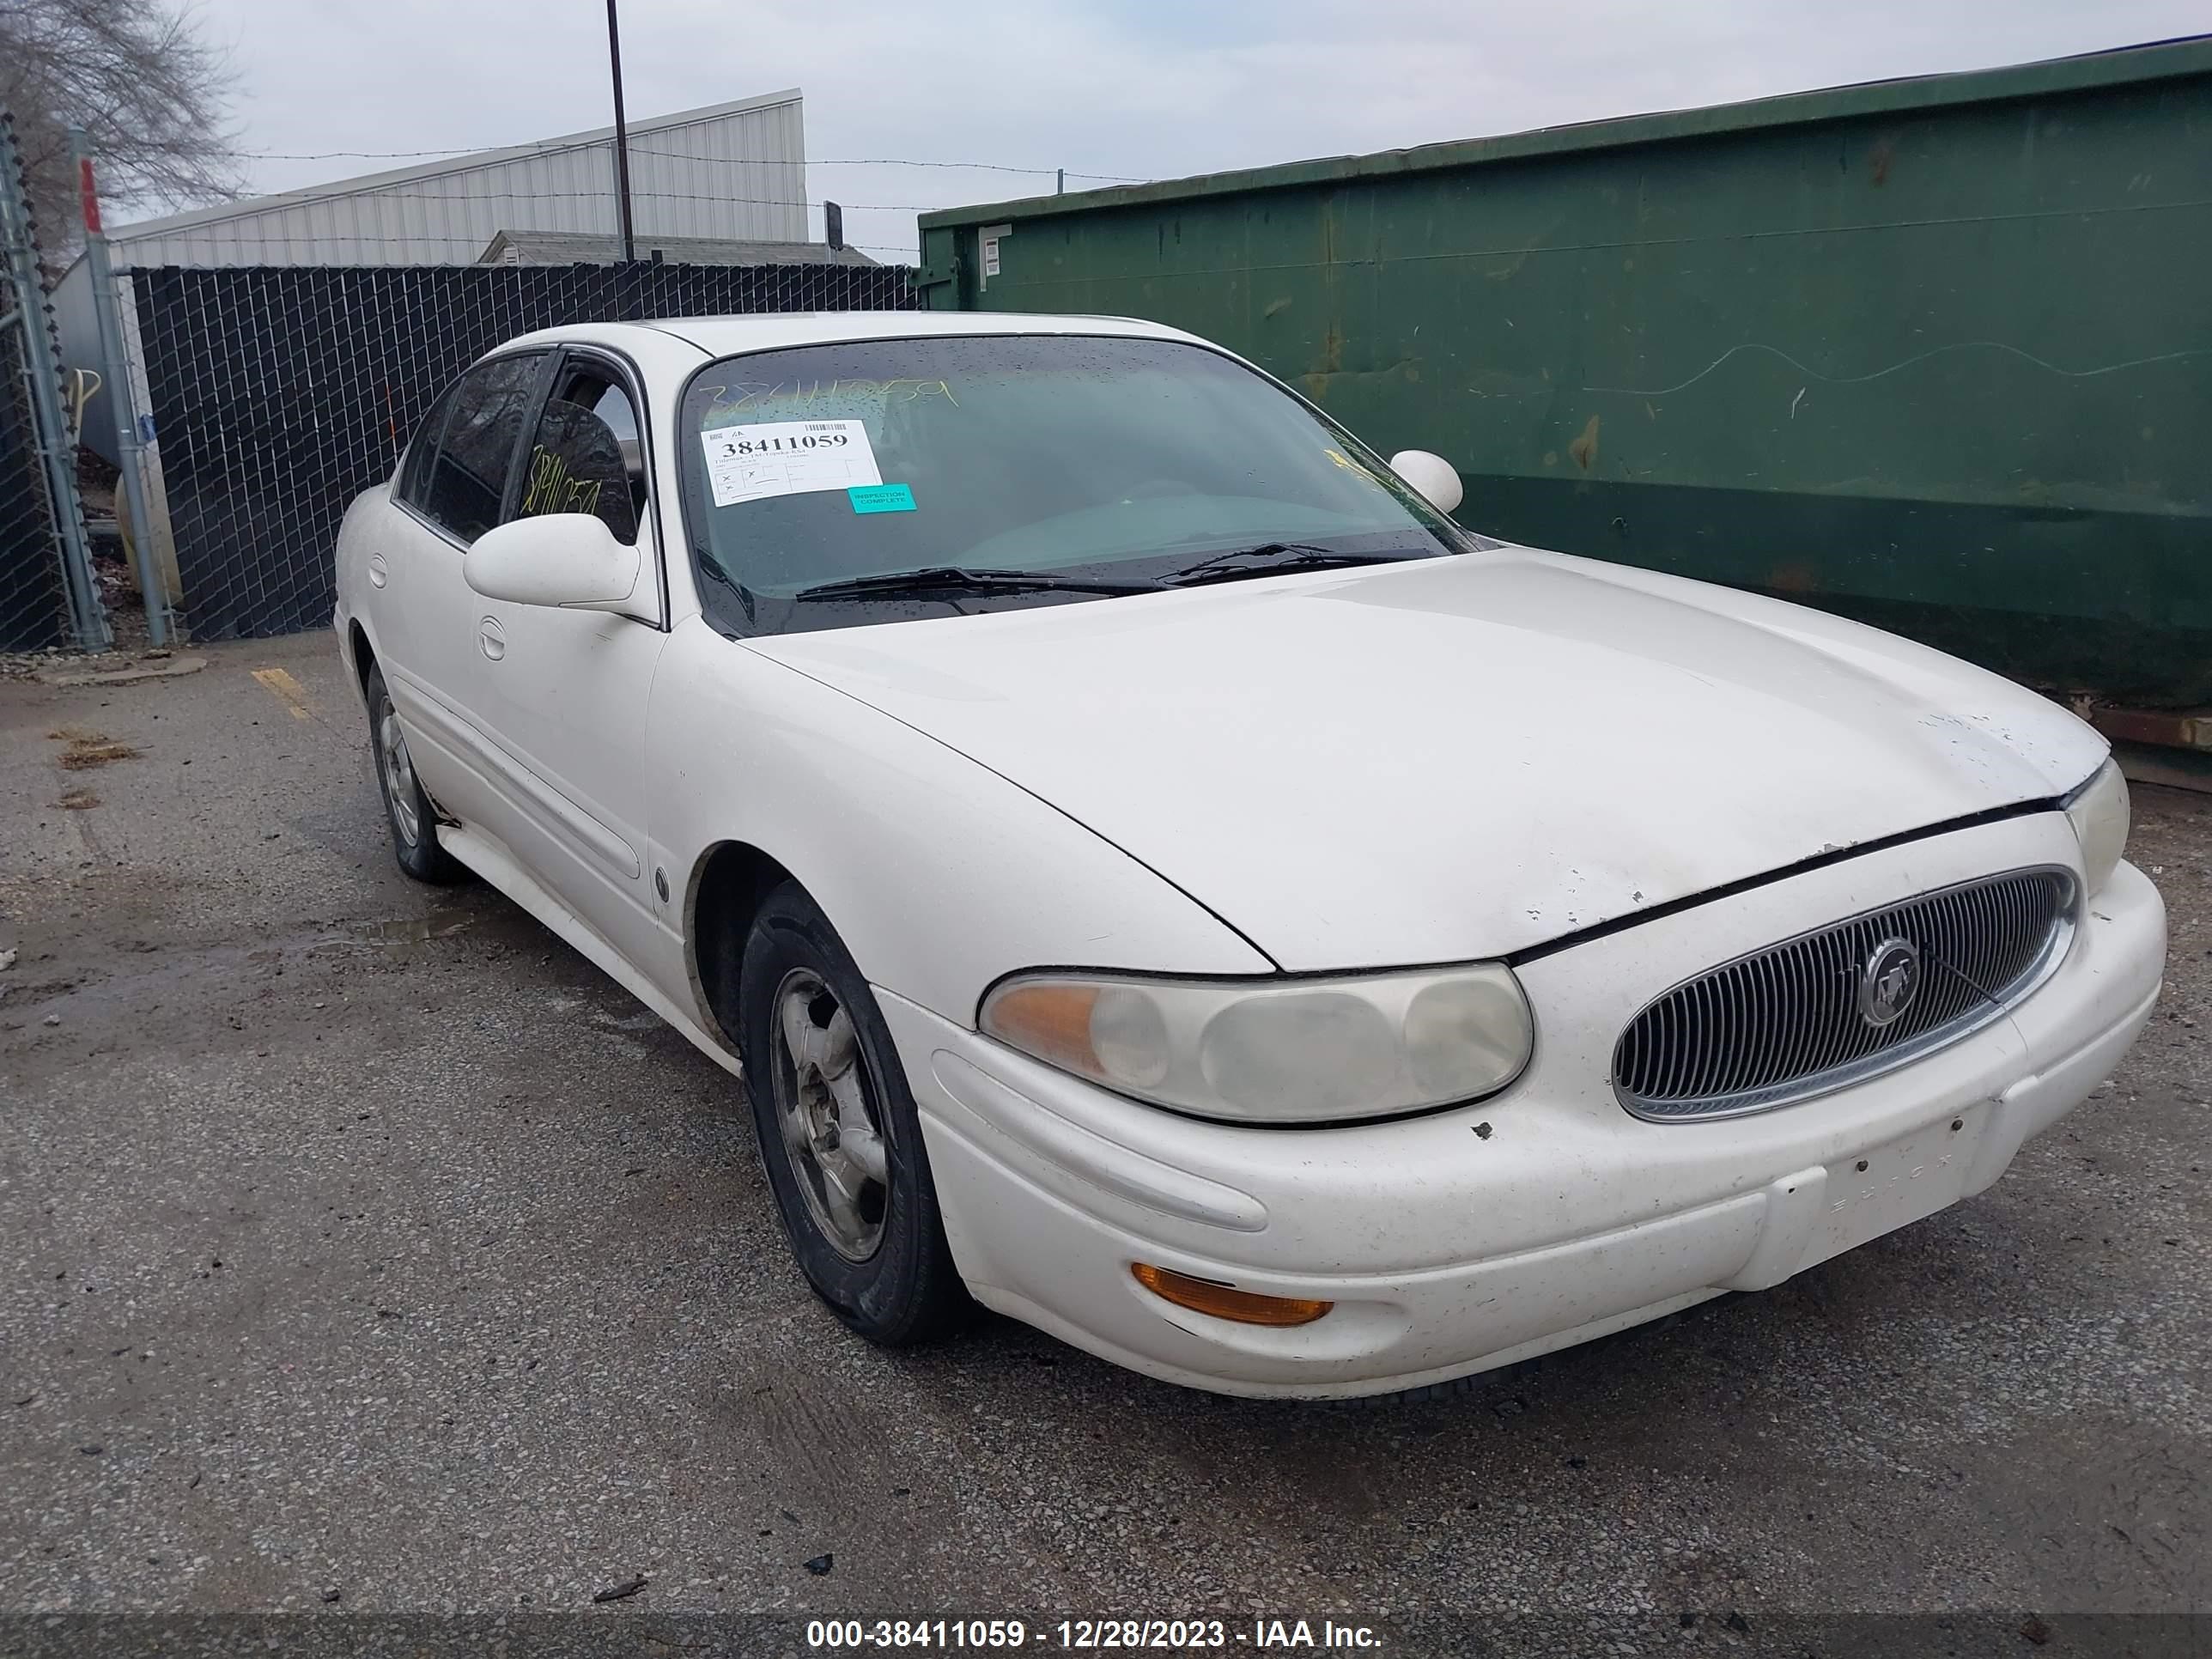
[288,691]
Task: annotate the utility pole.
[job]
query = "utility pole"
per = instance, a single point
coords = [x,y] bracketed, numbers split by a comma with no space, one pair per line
[622,136]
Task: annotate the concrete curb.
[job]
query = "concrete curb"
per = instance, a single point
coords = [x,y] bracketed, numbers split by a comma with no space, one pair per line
[139,670]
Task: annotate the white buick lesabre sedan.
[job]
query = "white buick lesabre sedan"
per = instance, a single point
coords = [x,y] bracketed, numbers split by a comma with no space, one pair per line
[1161,877]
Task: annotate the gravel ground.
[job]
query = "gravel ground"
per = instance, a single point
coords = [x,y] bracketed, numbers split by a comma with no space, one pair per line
[361,1242]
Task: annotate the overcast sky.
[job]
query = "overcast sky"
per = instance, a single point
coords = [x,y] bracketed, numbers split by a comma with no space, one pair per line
[1138,89]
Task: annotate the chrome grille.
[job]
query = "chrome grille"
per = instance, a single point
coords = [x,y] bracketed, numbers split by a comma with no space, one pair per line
[1784,1023]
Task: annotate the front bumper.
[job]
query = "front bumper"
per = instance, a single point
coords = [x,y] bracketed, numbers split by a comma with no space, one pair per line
[1542,1217]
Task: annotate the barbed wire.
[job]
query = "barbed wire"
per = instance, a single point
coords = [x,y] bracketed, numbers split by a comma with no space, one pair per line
[128,259]
[283,200]
[637,148]
[280,201]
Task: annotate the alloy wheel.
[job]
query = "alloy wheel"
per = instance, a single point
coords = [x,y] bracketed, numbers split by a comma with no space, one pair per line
[825,1109]
[398,776]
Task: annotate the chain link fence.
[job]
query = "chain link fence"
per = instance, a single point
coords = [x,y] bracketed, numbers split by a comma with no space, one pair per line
[47,595]
[34,612]
[279,394]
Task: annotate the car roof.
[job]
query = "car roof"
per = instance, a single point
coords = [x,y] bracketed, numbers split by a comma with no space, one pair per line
[719,337]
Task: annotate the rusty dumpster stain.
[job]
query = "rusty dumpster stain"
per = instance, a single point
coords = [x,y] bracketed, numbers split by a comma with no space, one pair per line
[1584,448]
[1332,362]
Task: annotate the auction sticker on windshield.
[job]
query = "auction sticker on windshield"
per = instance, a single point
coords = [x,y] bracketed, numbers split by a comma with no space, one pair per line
[787,458]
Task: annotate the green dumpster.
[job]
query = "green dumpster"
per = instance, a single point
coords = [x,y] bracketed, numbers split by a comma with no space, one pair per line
[1936,353]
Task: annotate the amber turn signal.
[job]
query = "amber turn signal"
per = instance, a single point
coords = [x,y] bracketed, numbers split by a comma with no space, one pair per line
[1226,1302]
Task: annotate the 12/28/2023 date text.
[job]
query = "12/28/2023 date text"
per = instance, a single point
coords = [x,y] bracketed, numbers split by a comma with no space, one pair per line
[1089,1635]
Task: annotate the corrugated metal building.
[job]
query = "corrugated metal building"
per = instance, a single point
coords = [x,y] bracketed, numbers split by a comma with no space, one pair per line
[730,172]
[735,171]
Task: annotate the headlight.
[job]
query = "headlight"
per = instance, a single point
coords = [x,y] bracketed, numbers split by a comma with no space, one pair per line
[2099,812]
[1276,1051]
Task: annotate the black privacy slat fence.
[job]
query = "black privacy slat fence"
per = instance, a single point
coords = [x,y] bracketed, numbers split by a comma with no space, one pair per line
[34,605]
[278,394]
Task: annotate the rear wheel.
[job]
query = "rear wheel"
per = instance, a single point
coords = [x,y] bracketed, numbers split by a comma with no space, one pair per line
[408,809]
[839,1134]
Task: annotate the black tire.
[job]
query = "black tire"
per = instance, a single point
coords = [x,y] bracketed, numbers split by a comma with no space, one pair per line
[416,847]
[904,1290]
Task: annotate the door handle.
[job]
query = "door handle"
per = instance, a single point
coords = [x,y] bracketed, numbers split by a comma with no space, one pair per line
[379,573]
[492,639]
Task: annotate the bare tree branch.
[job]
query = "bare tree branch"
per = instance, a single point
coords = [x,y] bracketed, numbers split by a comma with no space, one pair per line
[150,91]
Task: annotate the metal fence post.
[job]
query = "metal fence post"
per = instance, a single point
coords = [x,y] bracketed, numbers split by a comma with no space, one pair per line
[115,370]
[41,374]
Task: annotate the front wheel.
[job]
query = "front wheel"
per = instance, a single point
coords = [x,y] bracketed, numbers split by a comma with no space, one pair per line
[838,1130]
[406,808]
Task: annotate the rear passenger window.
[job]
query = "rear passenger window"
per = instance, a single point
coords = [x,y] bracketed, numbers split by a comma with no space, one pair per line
[414,470]
[468,472]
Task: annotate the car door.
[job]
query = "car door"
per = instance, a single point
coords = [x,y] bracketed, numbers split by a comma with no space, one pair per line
[456,484]
[562,693]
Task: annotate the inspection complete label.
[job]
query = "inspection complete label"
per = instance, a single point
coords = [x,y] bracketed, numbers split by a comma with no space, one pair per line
[881,498]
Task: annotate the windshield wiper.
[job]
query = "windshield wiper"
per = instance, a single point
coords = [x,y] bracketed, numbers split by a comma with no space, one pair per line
[952,579]
[1280,557]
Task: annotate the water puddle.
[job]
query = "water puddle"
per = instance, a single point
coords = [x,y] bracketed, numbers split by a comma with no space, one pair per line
[396,932]
[419,930]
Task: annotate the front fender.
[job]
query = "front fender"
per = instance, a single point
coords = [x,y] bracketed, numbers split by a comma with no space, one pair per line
[939,874]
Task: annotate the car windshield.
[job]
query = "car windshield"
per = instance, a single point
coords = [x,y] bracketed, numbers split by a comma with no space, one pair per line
[1014,470]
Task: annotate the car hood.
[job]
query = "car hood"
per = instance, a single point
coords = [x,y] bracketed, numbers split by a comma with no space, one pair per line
[1449,759]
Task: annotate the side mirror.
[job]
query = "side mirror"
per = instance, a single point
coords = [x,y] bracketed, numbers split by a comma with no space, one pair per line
[1436,478]
[567,559]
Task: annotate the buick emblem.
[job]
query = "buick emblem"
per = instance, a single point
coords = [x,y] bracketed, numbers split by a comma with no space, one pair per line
[1889,981]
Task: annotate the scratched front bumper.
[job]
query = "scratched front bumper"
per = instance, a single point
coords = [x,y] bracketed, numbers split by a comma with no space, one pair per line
[1546,1215]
